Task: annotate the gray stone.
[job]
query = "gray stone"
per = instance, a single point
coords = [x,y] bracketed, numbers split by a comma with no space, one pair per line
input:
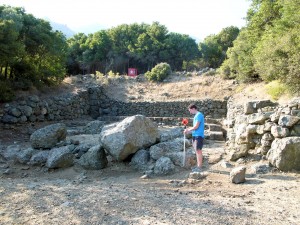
[259,118]
[239,151]
[25,155]
[263,150]
[216,135]
[198,175]
[225,164]
[267,137]
[238,175]
[11,152]
[288,121]
[94,158]
[178,158]
[9,119]
[26,110]
[213,159]
[130,135]
[295,131]
[39,158]
[249,108]
[94,127]
[140,160]
[163,148]
[15,112]
[260,168]
[60,158]
[285,153]
[48,136]
[279,131]
[164,166]
[169,133]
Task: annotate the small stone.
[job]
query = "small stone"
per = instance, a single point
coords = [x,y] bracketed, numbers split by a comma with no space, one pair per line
[146,176]
[7,172]
[198,175]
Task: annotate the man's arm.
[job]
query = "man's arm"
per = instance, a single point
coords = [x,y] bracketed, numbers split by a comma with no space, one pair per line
[192,128]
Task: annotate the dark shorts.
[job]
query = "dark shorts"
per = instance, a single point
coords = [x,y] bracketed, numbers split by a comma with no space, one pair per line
[198,142]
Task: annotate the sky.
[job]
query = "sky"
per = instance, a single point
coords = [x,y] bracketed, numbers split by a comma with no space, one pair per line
[196,18]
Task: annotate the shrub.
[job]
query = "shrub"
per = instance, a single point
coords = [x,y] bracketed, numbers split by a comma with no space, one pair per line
[211,72]
[159,72]
[99,75]
[225,71]
[23,84]
[6,92]
[112,74]
[276,89]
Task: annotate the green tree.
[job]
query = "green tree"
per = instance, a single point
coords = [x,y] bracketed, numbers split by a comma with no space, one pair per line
[46,51]
[211,51]
[240,61]
[76,47]
[149,44]
[179,48]
[214,47]
[124,39]
[277,53]
[95,56]
[11,47]
[31,53]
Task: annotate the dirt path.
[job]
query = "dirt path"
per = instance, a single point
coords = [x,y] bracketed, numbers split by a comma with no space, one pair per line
[118,195]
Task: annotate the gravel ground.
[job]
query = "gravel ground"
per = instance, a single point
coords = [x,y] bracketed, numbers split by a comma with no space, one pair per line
[118,195]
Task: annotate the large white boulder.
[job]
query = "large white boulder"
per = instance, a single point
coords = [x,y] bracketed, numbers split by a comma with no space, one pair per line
[130,135]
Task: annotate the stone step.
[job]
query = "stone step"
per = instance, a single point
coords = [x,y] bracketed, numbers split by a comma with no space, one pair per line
[214,127]
[215,135]
[209,120]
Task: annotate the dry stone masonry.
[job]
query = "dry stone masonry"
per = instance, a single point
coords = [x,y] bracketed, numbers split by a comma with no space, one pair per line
[93,102]
[267,129]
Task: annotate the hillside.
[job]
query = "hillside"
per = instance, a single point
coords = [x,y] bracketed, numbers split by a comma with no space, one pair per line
[174,88]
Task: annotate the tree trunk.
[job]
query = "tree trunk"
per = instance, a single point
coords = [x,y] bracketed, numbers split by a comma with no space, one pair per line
[5,72]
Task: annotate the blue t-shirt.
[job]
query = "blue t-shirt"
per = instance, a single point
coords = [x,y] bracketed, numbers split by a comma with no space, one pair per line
[200,131]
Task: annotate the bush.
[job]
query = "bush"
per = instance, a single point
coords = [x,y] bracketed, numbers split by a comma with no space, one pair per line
[112,74]
[23,84]
[211,72]
[225,71]
[276,89]
[99,75]
[159,72]
[6,92]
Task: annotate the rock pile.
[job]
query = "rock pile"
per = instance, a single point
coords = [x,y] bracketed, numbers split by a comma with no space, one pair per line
[136,139]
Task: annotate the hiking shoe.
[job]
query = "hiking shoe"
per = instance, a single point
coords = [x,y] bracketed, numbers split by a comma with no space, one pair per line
[197,169]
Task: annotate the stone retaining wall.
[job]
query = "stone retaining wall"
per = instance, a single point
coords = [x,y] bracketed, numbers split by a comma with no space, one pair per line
[101,105]
[95,103]
[32,109]
[254,126]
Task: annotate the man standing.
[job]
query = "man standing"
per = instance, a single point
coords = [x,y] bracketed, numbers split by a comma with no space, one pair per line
[197,134]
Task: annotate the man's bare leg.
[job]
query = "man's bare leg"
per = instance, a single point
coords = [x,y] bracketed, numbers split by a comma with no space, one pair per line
[198,154]
[199,158]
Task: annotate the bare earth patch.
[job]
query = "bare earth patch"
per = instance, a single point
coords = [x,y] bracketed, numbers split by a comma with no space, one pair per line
[118,194]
